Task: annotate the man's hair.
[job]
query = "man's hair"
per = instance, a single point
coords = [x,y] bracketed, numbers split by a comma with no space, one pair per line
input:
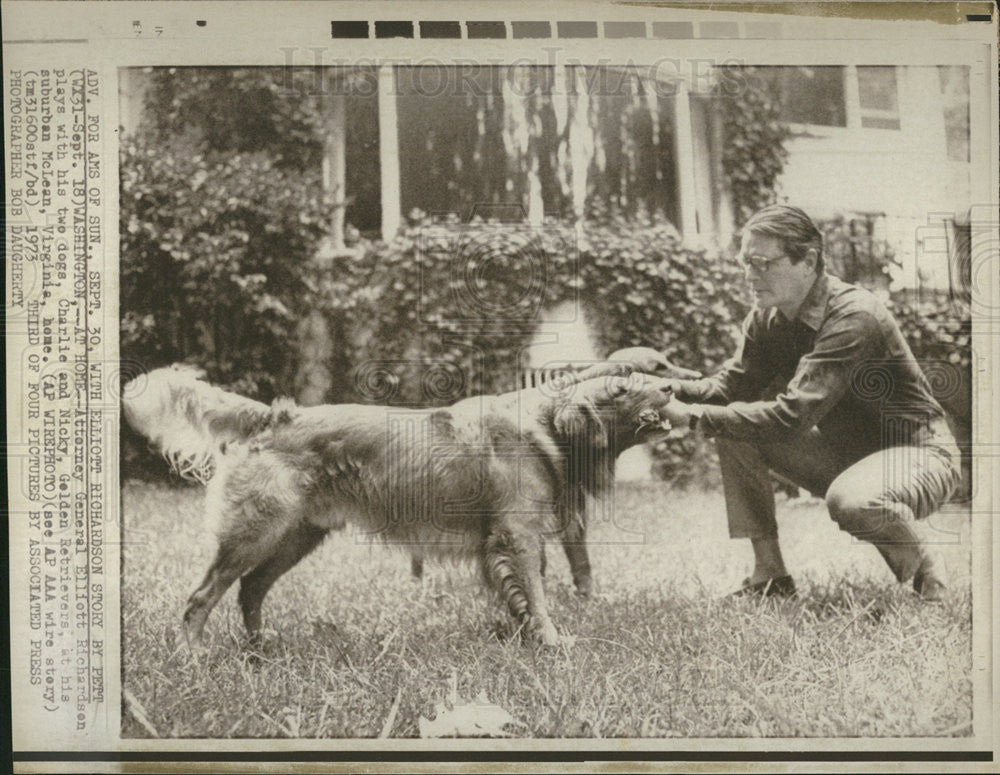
[796,231]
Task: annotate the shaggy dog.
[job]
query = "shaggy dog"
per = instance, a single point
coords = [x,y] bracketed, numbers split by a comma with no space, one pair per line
[629,360]
[485,479]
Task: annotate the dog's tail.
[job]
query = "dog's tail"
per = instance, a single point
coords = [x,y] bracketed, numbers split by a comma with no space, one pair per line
[188,420]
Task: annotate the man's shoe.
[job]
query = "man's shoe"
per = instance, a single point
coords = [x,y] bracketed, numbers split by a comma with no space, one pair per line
[930,588]
[782,586]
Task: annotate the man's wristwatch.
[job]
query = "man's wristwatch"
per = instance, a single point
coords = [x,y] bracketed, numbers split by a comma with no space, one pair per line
[693,419]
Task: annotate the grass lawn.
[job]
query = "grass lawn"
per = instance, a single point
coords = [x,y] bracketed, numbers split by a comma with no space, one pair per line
[355,647]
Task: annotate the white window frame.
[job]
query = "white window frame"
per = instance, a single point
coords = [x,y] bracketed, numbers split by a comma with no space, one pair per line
[876,138]
[854,92]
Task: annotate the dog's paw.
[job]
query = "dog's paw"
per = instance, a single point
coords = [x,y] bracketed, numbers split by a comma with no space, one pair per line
[585,587]
[546,634]
[194,637]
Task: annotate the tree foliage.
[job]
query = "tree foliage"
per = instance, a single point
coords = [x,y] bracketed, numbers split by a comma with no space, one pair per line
[237,110]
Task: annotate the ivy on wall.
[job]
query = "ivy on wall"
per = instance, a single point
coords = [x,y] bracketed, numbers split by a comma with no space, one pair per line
[753,150]
[473,295]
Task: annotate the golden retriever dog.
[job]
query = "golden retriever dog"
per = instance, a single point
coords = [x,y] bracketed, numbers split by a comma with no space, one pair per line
[485,479]
[629,360]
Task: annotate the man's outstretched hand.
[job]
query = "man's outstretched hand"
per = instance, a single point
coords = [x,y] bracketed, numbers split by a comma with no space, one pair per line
[681,416]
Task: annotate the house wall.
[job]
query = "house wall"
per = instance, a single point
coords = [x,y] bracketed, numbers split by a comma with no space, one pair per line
[904,174]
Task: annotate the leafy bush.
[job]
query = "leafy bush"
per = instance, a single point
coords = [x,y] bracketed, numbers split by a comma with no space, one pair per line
[216,254]
[855,255]
[273,110]
[448,291]
[936,328]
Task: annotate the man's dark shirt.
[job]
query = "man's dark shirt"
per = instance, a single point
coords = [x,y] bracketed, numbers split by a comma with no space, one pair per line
[841,365]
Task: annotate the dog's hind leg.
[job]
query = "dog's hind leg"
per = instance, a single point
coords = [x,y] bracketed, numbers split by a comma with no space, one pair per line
[249,542]
[574,541]
[292,547]
[220,576]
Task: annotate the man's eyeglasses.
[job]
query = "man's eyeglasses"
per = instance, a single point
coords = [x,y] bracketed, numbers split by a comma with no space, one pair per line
[759,264]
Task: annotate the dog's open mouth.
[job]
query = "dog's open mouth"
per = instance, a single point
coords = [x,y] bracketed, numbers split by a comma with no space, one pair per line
[652,423]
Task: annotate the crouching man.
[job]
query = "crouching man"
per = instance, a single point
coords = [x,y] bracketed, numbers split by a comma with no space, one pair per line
[823,391]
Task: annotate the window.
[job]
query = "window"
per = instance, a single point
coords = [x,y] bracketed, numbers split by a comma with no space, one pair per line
[824,96]
[810,95]
[878,98]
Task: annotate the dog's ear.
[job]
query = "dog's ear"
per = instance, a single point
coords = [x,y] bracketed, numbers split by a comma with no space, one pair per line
[617,387]
[580,420]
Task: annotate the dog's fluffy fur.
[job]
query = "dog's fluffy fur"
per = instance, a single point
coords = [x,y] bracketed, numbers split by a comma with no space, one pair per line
[485,479]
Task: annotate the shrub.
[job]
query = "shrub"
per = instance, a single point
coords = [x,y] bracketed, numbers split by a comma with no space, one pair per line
[216,254]
[272,110]
[855,255]
[445,290]
[937,329]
